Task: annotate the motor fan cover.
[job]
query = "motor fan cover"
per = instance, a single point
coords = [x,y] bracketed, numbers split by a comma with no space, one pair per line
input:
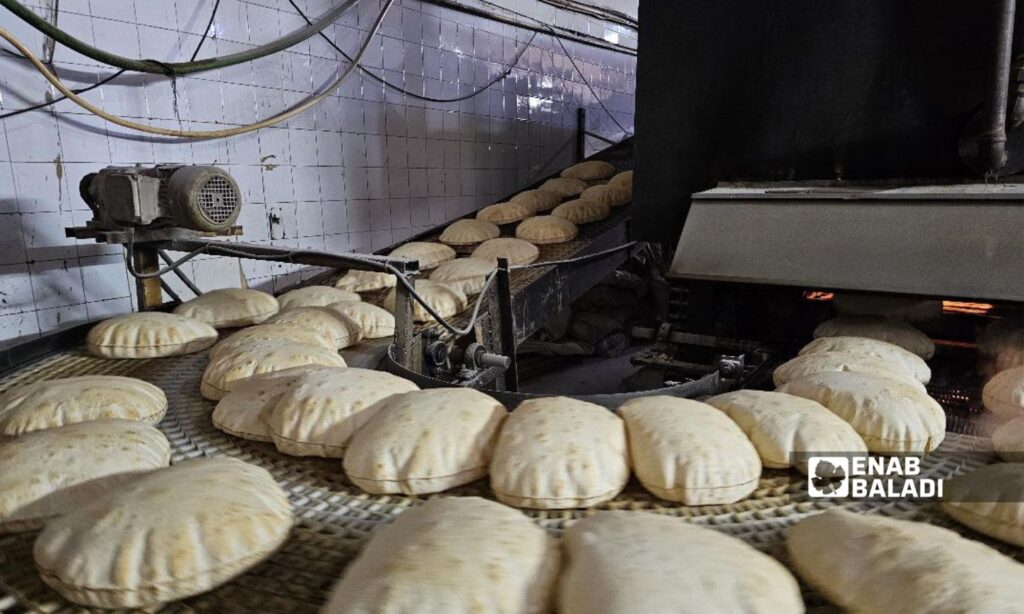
[204,198]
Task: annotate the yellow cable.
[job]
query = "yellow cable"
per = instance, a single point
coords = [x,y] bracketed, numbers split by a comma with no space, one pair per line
[205,134]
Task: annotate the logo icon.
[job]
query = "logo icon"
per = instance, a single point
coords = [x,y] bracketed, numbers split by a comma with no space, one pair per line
[828,476]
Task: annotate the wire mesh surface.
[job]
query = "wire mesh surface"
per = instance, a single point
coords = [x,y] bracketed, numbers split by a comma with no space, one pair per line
[333,516]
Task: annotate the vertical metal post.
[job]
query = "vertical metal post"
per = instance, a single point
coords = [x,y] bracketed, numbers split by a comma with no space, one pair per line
[405,338]
[508,325]
[149,293]
[581,133]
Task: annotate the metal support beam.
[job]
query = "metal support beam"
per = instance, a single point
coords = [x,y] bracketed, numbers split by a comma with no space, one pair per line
[405,352]
[184,278]
[508,330]
[148,291]
[581,134]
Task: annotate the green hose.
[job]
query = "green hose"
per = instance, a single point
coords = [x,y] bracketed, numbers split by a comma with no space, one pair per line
[174,68]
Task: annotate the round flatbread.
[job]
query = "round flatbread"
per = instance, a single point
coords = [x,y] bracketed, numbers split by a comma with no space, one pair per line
[625,178]
[225,372]
[468,232]
[505,213]
[989,500]
[274,331]
[47,473]
[883,350]
[467,274]
[590,170]
[689,452]
[319,414]
[51,403]
[786,429]
[875,565]
[452,555]
[538,200]
[167,535]
[558,453]
[429,255]
[625,562]
[516,251]
[1004,394]
[374,322]
[546,229]
[425,442]
[150,334]
[1008,440]
[876,327]
[366,281]
[822,362]
[245,411]
[610,195]
[229,307]
[891,416]
[328,323]
[314,296]
[565,187]
[582,211]
[447,300]
[1001,346]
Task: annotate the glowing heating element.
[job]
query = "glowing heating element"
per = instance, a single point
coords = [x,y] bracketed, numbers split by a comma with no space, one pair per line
[965,307]
[817,295]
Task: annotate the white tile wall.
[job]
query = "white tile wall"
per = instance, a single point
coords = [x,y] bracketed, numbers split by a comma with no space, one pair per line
[368,167]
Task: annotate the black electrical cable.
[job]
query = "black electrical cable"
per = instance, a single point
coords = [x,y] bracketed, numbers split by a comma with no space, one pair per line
[104,81]
[587,83]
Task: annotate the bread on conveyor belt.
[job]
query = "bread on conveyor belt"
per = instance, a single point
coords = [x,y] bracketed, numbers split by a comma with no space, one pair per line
[47,473]
[690,452]
[557,453]
[453,556]
[590,170]
[150,334]
[823,362]
[315,296]
[538,200]
[625,178]
[546,229]
[627,562]
[365,281]
[565,187]
[516,251]
[166,535]
[787,429]
[425,442]
[229,307]
[1008,440]
[1004,394]
[876,565]
[989,500]
[467,274]
[876,327]
[225,372]
[581,211]
[330,324]
[891,416]
[445,299]
[889,352]
[245,411]
[505,213]
[468,232]
[608,194]
[278,331]
[52,403]
[428,255]
[374,322]
[321,410]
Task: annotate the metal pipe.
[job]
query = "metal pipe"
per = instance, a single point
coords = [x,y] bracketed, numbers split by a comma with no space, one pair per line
[1017,72]
[184,278]
[992,136]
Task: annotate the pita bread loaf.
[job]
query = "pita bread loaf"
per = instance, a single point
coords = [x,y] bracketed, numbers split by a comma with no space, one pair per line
[545,229]
[625,178]
[245,411]
[610,195]
[319,413]
[366,281]
[46,473]
[516,251]
[374,322]
[1008,440]
[873,564]
[590,170]
[565,187]
[989,500]
[505,213]
[275,331]
[467,274]
[824,362]
[787,429]
[908,361]
[627,562]
[223,373]
[425,442]
[452,556]
[1001,346]
[229,307]
[446,299]
[538,200]
[892,417]
[150,334]
[689,452]
[330,324]
[314,296]
[558,453]
[167,535]
[468,232]
[52,403]
[1004,394]
[582,211]
[875,327]
[429,255]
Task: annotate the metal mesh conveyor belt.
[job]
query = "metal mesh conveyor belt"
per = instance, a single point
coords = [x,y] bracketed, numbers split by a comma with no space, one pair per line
[333,516]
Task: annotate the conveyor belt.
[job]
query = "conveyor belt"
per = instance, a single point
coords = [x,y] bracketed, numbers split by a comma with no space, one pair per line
[333,515]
